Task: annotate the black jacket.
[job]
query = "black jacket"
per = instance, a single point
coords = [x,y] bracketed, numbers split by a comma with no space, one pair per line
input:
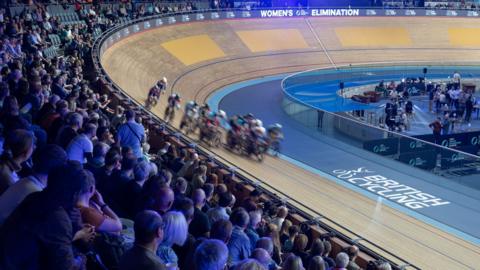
[38,235]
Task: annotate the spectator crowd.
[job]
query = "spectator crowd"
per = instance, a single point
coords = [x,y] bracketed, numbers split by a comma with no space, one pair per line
[78,189]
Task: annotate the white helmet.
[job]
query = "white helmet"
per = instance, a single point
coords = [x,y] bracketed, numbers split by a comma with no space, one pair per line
[164,79]
[259,123]
[259,130]
[277,125]
[222,114]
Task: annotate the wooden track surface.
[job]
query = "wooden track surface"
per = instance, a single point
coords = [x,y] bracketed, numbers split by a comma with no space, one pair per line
[137,62]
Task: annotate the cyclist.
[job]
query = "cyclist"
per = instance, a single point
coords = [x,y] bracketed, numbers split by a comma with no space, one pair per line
[173,103]
[190,116]
[275,135]
[153,95]
[162,85]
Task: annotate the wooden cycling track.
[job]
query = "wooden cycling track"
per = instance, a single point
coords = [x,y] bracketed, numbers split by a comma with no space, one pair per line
[138,61]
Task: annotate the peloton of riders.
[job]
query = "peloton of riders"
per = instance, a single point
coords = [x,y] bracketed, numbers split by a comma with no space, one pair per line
[244,134]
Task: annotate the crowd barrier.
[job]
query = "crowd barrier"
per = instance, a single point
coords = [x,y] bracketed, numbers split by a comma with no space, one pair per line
[240,181]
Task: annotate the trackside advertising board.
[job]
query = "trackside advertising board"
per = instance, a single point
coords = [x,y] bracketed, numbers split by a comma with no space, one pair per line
[161,20]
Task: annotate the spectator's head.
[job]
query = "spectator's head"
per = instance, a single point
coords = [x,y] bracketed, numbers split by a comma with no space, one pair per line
[317,248]
[384,266]
[250,205]
[19,145]
[103,133]
[90,130]
[86,194]
[10,105]
[255,219]
[61,107]
[166,176]
[113,159]
[212,178]
[141,172]
[198,197]
[221,230]
[221,188]
[328,248]
[240,218]
[153,170]
[286,226]
[180,186]
[300,242]
[211,254]
[282,212]
[208,188]
[53,100]
[75,120]
[225,199]
[130,115]
[185,206]
[255,195]
[67,182]
[99,152]
[48,158]
[293,263]
[201,170]
[164,198]
[342,260]
[316,263]
[127,151]
[262,256]
[176,228]
[352,252]
[250,264]
[128,163]
[265,243]
[148,228]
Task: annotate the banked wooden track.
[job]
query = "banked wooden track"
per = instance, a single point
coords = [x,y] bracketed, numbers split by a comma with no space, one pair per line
[138,61]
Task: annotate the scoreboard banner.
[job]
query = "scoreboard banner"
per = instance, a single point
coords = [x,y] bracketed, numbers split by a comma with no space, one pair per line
[157,21]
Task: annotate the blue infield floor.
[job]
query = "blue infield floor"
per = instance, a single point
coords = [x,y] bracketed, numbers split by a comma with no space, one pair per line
[458,208]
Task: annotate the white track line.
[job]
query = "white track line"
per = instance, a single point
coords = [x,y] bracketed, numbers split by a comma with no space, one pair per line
[320,42]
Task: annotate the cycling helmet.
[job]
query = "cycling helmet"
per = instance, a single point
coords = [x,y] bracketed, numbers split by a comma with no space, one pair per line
[222,114]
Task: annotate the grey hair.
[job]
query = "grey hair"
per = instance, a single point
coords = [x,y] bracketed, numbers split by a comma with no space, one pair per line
[211,254]
[176,228]
[384,266]
[342,260]
[100,149]
[142,170]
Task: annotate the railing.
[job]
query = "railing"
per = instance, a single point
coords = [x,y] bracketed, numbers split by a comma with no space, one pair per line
[116,33]
[461,165]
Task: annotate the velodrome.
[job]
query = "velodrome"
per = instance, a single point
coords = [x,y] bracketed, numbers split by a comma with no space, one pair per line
[209,55]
